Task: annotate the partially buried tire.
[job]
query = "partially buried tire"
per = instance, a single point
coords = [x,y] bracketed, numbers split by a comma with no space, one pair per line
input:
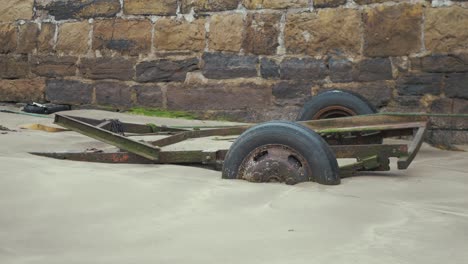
[281,151]
[335,104]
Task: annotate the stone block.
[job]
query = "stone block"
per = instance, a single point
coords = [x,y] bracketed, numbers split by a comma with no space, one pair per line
[108,68]
[63,10]
[445,29]
[460,106]
[149,95]
[373,70]
[420,84]
[53,66]
[150,7]
[175,34]
[379,94]
[68,92]
[303,69]
[441,63]
[275,4]
[328,3]
[226,32]
[403,103]
[73,37]
[22,90]
[116,94]
[12,10]
[299,90]
[130,37]
[392,30]
[368,2]
[310,33]
[165,70]
[227,66]
[14,67]
[208,5]
[8,38]
[45,39]
[28,35]
[262,32]
[269,68]
[219,96]
[341,70]
[456,85]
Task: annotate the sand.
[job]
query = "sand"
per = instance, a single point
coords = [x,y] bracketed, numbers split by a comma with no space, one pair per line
[54,211]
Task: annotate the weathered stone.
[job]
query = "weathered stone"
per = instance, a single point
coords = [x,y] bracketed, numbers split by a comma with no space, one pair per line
[226,32]
[269,68]
[310,33]
[368,2]
[401,65]
[80,8]
[113,93]
[420,84]
[174,34]
[441,63]
[8,38]
[262,33]
[14,67]
[53,66]
[341,70]
[407,104]
[28,34]
[225,66]
[328,3]
[23,90]
[130,37]
[45,40]
[165,70]
[445,29]
[68,92]
[208,5]
[150,7]
[299,90]
[373,70]
[460,106]
[378,93]
[275,4]
[392,30]
[450,125]
[149,96]
[303,69]
[456,85]
[73,37]
[107,68]
[218,96]
[11,10]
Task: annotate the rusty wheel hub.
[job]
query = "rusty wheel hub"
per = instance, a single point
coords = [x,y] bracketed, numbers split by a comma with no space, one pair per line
[333,111]
[274,163]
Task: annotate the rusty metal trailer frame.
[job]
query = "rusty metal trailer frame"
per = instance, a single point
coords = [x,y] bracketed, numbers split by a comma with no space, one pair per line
[356,137]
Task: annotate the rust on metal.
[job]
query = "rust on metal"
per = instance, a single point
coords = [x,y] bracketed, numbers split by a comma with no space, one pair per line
[333,111]
[274,163]
[142,149]
[351,137]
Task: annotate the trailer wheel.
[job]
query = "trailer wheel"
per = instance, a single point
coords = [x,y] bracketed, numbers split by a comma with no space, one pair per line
[335,104]
[281,151]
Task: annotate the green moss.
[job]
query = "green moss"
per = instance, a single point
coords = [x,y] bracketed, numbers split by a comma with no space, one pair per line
[161,113]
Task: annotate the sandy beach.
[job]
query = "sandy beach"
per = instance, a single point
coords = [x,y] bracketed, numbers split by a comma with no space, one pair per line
[56,212]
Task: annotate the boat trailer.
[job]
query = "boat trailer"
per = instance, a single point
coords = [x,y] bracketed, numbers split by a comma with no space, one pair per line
[277,151]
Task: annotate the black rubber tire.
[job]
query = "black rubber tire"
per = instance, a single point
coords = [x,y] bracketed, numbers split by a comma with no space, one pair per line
[356,103]
[311,146]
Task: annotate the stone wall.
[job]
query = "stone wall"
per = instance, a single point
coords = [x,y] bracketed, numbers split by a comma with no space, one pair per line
[251,60]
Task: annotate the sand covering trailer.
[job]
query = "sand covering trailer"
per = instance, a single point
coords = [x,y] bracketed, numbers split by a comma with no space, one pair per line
[277,151]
